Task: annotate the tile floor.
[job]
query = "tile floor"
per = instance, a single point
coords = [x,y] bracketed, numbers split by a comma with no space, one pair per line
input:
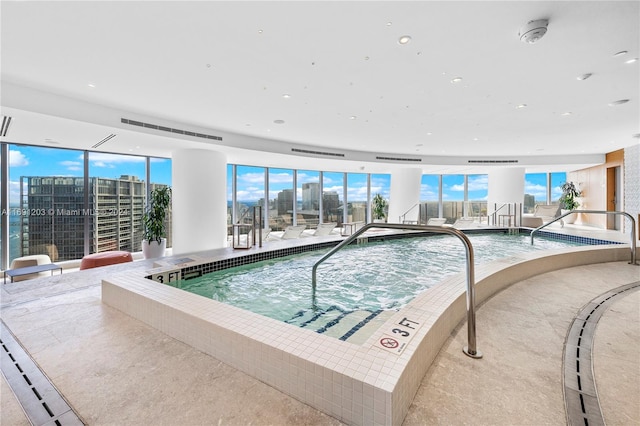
[113,369]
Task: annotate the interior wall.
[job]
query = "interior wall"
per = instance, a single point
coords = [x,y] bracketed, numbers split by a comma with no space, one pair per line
[631,187]
[592,182]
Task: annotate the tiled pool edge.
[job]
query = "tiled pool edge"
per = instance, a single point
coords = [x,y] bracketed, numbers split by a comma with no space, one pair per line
[356,384]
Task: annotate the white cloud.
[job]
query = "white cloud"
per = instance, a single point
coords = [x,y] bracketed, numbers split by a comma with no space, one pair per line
[538,191]
[72,165]
[17,159]
[280,178]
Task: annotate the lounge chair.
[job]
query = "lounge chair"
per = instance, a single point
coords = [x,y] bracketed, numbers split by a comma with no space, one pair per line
[463,223]
[289,233]
[436,221]
[542,213]
[324,229]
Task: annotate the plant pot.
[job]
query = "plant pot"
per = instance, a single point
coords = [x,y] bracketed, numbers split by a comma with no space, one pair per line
[153,249]
[379,221]
[571,218]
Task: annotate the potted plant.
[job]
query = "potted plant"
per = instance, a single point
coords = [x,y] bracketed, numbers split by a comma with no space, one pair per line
[568,200]
[154,242]
[379,208]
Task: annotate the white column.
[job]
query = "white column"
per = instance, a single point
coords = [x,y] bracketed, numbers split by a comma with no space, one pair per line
[405,194]
[506,186]
[199,200]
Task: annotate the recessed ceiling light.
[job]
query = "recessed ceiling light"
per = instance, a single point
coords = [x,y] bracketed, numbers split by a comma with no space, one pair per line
[91,85]
[366,58]
[286,96]
[584,76]
[631,61]
[429,133]
[389,24]
[259,31]
[566,113]
[404,39]
[620,53]
[619,102]
[278,121]
[521,106]
[456,80]
[353,117]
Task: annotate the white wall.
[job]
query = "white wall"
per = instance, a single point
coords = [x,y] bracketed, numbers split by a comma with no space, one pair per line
[404,194]
[632,185]
[199,204]
[506,186]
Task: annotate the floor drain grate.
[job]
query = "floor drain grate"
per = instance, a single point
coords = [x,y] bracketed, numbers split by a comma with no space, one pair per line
[40,400]
[581,398]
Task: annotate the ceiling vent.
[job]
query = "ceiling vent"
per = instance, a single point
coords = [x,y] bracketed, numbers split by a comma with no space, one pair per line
[108,138]
[415,160]
[492,161]
[6,121]
[169,129]
[533,31]
[306,151]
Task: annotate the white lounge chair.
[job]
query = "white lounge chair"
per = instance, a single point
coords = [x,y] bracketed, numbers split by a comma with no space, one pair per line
[463,223]
[324,229]
[289,233]
[436,221]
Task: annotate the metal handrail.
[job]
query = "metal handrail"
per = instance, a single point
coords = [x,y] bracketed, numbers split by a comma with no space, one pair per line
[496,212]
[404,215]
[633,226]
[470,349]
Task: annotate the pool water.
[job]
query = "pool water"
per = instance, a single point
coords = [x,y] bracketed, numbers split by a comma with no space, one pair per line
[373,277]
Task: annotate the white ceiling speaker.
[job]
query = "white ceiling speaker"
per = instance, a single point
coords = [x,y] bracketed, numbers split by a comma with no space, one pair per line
[533,30]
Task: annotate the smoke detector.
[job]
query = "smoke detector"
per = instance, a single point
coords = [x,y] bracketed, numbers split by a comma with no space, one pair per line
[533,30]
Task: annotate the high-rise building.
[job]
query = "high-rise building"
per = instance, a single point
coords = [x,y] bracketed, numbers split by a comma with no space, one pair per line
[54,209]
[285,201]
[311,196]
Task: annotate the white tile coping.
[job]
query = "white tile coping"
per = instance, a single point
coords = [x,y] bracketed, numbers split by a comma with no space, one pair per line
[357,384]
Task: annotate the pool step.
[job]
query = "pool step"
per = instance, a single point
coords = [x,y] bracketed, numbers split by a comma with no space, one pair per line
[354,326]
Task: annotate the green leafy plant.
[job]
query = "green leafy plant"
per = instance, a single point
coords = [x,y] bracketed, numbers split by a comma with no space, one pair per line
[568,198]
[153,219]
[379,207]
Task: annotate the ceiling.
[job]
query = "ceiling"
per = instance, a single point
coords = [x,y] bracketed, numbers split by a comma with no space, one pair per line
[327,77]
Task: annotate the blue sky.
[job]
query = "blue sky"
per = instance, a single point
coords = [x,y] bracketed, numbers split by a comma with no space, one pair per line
[39,161]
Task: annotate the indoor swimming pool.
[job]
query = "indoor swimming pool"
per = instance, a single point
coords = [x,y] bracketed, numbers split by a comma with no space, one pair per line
[373,277]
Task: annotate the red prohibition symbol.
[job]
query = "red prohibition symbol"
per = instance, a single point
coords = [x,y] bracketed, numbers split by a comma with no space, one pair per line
[388,342]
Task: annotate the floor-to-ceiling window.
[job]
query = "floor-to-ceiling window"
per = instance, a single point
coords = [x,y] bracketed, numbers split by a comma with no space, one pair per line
[160,175]
[452,197]
[117,196]
[281,199]
[250,191]
[332,197]
[477,193]
[535,191]
[557,179]
[380,184]
[308,196]
[46,195]
[357,204]
[429,197]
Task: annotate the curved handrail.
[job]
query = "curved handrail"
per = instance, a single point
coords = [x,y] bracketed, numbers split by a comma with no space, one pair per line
[470,349]
[633,226]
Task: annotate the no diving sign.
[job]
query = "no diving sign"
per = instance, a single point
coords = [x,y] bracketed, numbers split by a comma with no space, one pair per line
[399,335]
